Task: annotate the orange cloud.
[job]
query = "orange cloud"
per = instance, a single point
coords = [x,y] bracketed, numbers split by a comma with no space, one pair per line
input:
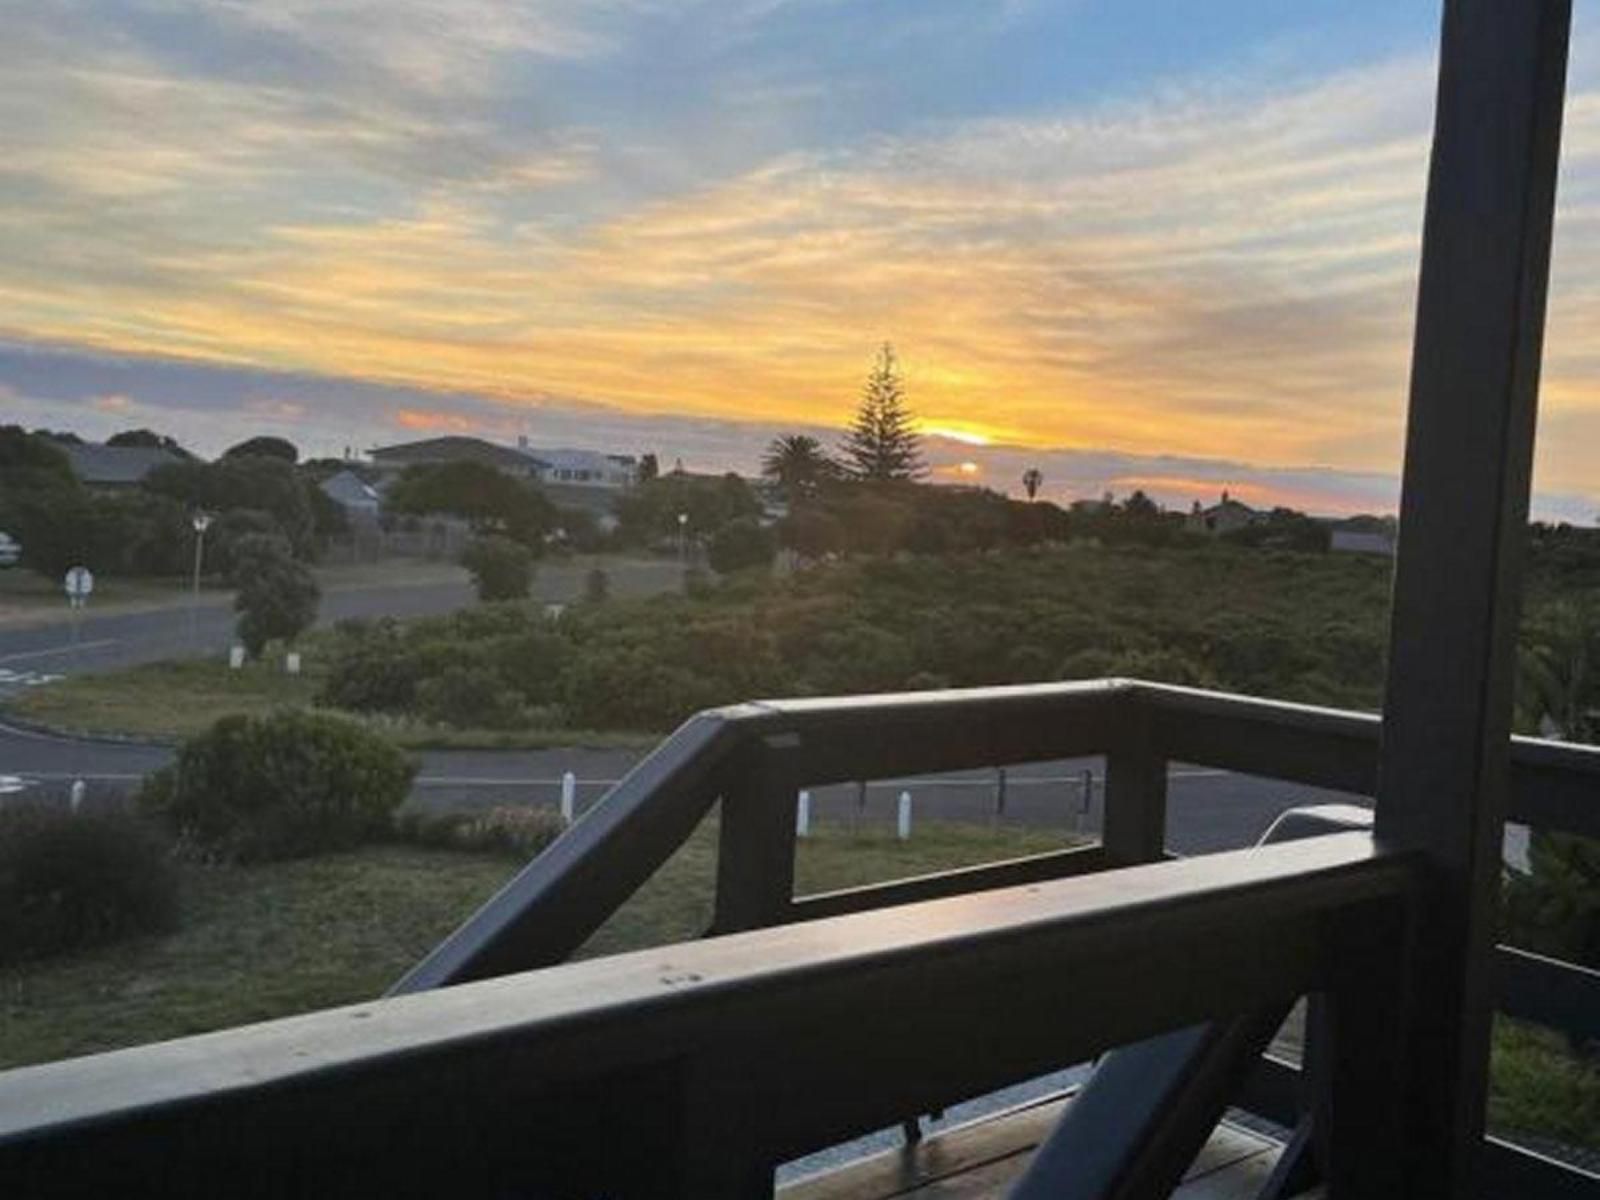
[434,422]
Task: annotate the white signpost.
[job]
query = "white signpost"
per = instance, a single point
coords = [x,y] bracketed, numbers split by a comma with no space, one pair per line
[78,584]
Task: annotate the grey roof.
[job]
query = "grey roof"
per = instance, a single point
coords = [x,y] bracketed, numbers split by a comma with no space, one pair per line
[97,464]
[455,449]
[349,489]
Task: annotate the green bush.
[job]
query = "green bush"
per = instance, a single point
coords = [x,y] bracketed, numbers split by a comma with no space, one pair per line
[277,596]
[371,674]
[501,568]
[283,786]
[69,881]
[469,697]
[741,545]
[1554,908]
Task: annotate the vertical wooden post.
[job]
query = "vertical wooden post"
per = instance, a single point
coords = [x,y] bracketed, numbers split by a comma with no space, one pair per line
[1463,519]
[755,848]
[1134,828]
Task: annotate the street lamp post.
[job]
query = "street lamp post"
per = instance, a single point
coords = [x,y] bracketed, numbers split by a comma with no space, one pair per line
[201,522]
[683,538]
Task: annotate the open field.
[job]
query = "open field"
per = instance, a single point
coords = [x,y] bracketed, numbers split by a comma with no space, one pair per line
[266,941]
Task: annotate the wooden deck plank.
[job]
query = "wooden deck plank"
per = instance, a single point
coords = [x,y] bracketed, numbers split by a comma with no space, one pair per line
[981,1160]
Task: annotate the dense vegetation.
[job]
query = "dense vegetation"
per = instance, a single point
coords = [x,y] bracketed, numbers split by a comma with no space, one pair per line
[146,530]
[1307,627]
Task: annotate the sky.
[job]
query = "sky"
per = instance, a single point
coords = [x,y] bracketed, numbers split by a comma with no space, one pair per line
[1167,244]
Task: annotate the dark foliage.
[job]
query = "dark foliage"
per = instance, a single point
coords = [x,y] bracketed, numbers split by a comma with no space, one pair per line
[147,439]
[741,545]
[284,786]
[265,446]
[470,697]
[883,445]
[491,501]
[277,597]
[70,881]
[251,482]
[501,569]
[648,515]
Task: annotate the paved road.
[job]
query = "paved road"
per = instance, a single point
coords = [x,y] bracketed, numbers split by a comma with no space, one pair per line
[107,643]
[1208,810]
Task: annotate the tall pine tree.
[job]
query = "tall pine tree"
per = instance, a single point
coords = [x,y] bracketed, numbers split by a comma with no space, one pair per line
[883,444]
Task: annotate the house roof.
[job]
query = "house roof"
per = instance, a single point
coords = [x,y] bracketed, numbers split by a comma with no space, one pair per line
[94,463]
[589,460]
[349,489]
[455,448]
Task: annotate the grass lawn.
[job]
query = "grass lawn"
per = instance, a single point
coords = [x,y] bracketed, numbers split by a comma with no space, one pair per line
[267,941]
[28,598]
[179,698]
[1538,1086]
[166,699]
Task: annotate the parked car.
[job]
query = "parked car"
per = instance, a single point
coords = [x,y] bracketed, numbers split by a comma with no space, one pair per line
[10,550]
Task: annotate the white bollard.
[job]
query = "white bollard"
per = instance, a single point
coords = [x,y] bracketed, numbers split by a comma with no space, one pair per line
[236,657]
[903,823]
[569,796]
[802,815]
[78,789]
[291,662]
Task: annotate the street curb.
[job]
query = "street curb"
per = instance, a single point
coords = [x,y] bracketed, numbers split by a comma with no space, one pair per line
[10,721]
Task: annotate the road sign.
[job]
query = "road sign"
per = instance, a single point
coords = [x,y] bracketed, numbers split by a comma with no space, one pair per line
[10,551]
[79,583]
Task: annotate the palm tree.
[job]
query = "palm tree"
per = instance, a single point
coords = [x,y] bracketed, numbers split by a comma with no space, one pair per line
[1032,478]
[797,463]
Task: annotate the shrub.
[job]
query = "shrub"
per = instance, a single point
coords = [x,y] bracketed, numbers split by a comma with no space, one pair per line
[532,664]
[597,586]
[740,545]
[277,595]
[1554,908]
[69,881]
[501,568]
[374,674]
[282,786]
[518,832]
[469,696]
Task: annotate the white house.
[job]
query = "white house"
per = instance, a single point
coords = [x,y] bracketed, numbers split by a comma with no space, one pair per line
[583,468]
[1224,517]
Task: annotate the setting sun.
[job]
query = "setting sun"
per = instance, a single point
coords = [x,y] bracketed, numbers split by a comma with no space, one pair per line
[964,434]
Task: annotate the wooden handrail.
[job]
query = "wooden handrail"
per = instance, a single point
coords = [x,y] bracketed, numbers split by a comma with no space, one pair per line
[691,1069]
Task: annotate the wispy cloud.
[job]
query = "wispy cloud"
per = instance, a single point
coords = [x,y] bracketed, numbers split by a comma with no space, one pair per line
[449,196]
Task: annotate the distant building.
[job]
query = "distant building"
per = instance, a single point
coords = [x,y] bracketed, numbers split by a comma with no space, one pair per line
[433,452]
[583,468]
[115,467]
[1356,541]
[1223,517]
[350,492]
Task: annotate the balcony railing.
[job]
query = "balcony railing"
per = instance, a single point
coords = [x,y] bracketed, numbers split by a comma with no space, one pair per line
[814,1019]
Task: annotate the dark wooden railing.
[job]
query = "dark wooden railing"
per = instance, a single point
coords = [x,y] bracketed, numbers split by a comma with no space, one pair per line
[756,757]
[813,1021]
[690,1070]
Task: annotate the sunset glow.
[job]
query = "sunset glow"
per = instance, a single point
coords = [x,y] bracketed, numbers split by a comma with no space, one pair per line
[1090,230]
